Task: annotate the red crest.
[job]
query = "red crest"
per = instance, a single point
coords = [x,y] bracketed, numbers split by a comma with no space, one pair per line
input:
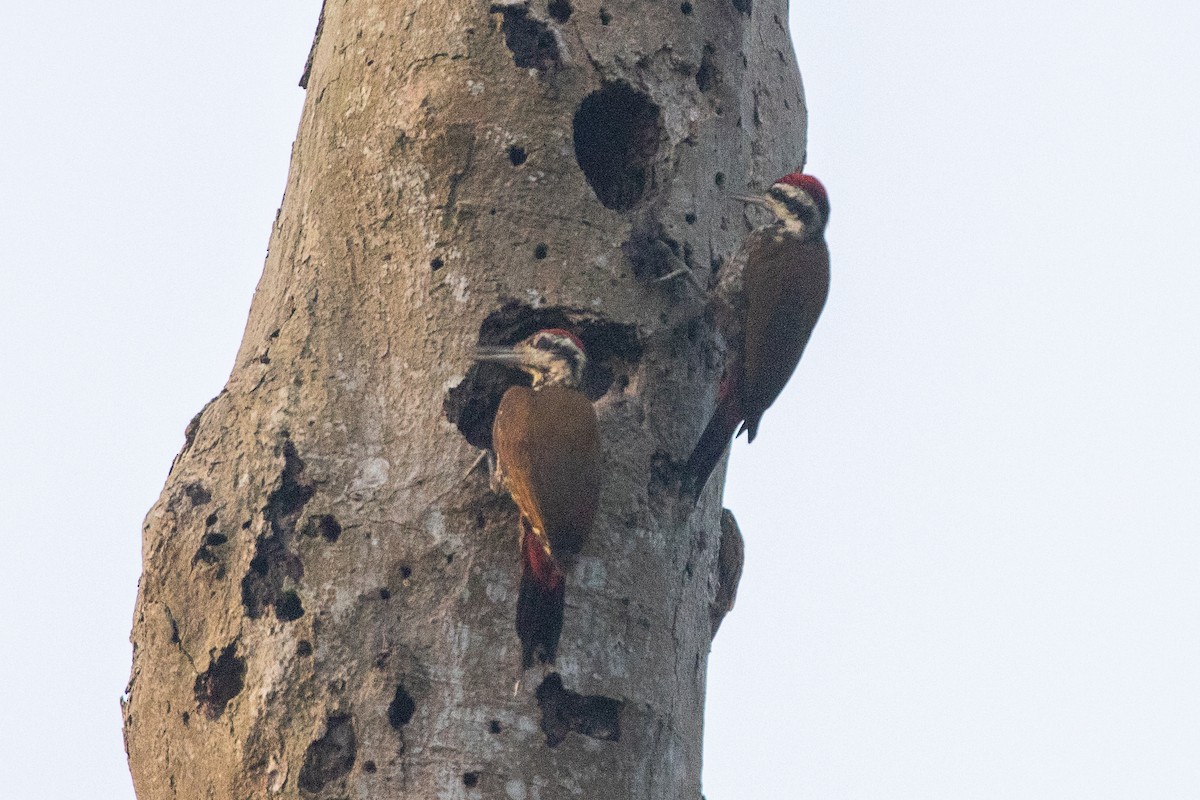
[811,185]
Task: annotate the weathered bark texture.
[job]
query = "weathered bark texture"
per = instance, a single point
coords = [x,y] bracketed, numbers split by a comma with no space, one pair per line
[326,607]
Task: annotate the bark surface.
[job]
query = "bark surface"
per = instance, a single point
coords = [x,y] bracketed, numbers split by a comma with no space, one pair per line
[327,605]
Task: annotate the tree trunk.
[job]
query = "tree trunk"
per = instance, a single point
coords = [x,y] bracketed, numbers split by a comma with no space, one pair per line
[327,604]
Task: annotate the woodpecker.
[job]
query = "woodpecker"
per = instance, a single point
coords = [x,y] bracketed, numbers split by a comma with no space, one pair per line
[785,279]
[547,448]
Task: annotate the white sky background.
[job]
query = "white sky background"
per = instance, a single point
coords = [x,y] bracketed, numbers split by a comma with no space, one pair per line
[973,568]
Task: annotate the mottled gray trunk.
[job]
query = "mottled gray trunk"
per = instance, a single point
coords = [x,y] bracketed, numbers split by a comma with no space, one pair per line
[326,607]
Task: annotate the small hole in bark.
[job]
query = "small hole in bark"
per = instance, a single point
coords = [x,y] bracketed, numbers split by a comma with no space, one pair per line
[185,718]
[449,558]
[304,648]
[215,539]
[212,520]
[369,766]
[385,594]
[331,756]
[400,711]
[743,6]
[719,179]
[480,521]
[289,608]
[516,155]
[197,493]
[494,726]
[531,41]
[246,525]
[605,17]
[470,779]
[560,10]
[541,251]
[221,682]
[617,133]
[689,218]
[686,8]
[436,264]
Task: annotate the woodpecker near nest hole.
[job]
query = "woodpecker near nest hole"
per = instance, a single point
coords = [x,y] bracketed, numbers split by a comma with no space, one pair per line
[785,280]
[547,448]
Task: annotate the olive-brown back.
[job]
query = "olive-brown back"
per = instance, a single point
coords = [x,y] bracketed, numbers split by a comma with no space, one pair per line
[548,448]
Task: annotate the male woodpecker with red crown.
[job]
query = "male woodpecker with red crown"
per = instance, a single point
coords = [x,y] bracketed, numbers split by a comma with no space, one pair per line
[548,456]
[785,279]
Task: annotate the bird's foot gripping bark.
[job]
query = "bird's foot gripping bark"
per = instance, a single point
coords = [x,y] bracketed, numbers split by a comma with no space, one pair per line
[540,600]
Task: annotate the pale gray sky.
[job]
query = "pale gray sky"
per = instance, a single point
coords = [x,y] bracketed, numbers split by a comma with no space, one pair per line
[973,568]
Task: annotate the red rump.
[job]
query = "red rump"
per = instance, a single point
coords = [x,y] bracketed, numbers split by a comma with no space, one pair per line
[566,333]
[541,564]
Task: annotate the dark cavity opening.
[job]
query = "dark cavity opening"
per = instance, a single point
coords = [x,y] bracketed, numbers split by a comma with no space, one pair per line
[617,133]
[516,155]
[400,711]
[707,76]
[273,560]
[744,6]
[331,756]
[560,10]
[532,43]
[289,608]
[686,8]
[541,251]
[221,682]
[564,712]
[197,493]
[436,264]
[605,17]
[612,350]
[326,526]
[470,779]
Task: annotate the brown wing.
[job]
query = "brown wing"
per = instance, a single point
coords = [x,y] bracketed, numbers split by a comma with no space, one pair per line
[785,286]
[548,448]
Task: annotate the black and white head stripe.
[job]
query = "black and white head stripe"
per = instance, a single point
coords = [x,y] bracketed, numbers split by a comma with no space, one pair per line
[558,344]
[798,204]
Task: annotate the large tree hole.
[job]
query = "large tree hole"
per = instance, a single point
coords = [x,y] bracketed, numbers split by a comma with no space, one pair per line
[531,41]
[221,682]
[612,349]
[617,133]
[331,756]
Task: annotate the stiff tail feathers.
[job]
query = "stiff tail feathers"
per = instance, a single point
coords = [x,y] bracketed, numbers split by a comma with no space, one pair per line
[709,449]
[540,601]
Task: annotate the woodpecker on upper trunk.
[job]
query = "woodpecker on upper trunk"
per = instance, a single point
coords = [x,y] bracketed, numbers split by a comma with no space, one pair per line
[785,279]
[547,448]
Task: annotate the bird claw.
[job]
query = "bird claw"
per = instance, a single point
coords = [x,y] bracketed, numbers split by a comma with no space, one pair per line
[680,272]
[475,464]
